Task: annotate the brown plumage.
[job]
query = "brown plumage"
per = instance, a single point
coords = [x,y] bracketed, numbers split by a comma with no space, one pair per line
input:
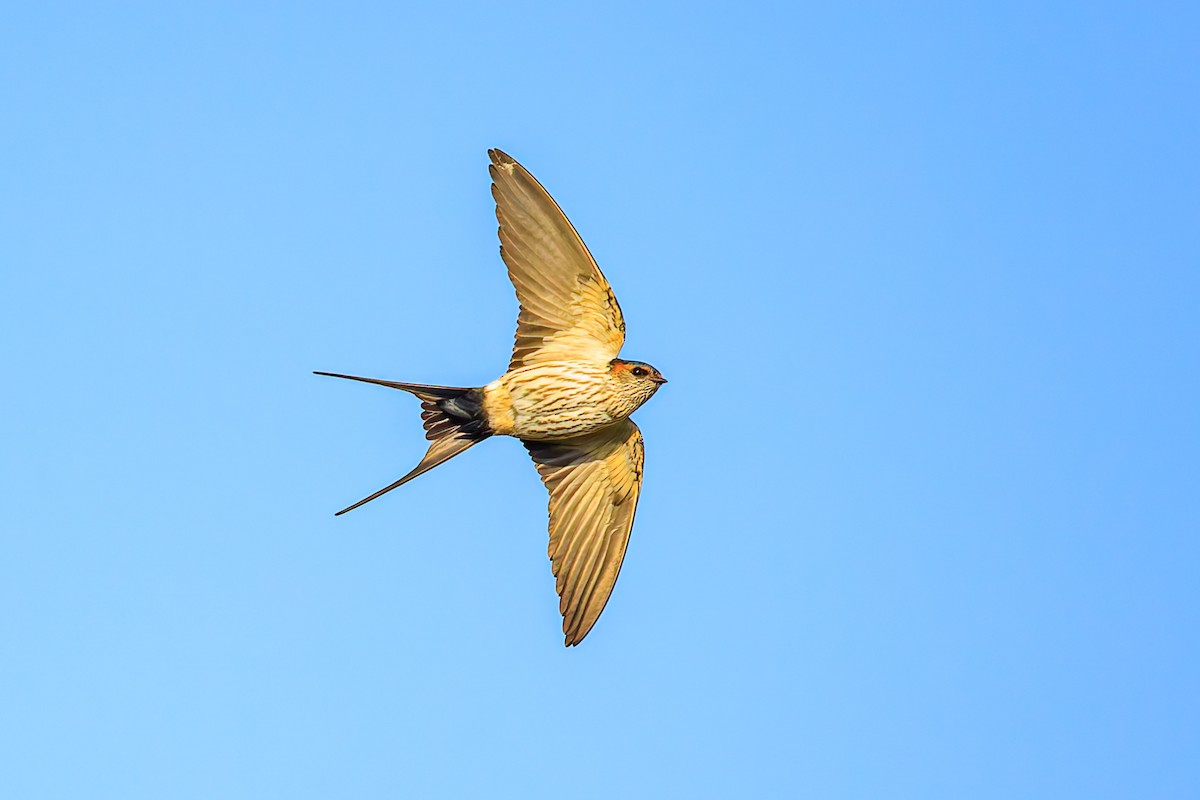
[566,395]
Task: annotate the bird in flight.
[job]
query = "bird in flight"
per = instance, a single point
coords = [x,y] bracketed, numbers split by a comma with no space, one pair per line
[566,395]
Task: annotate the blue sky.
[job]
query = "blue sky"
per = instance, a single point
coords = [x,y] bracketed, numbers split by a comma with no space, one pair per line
[920,513]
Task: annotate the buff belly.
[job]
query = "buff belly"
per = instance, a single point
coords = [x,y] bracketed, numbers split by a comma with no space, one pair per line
[549,401]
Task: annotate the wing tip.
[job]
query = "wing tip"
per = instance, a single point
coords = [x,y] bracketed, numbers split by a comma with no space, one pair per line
[501,159]
[571,638]
[577,625]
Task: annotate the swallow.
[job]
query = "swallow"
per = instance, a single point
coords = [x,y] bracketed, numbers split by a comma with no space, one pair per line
[566,395]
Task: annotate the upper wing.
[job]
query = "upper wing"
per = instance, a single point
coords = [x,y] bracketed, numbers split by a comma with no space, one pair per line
[594,483]
[568,310]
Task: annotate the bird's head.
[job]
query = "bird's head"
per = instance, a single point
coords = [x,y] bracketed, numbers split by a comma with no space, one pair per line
[638,379]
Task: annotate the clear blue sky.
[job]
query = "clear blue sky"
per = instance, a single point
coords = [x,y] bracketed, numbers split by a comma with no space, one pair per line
[921,505]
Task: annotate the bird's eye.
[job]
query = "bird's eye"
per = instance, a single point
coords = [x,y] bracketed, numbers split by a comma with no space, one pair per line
[639,372]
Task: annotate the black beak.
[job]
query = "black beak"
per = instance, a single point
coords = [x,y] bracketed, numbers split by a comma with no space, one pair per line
[660,380]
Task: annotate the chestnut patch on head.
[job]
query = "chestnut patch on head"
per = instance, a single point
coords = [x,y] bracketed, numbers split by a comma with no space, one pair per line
[635,368]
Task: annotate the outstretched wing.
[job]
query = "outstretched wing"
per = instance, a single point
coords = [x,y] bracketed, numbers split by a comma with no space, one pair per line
[568,310]
[594,483]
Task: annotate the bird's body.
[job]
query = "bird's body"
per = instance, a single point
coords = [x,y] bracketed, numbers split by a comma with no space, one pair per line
[566,395]
[558,400]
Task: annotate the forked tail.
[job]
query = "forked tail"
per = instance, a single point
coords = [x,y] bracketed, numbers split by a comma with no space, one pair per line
[454,420]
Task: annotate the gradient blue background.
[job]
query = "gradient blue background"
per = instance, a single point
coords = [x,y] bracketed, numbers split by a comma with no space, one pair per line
[920,516]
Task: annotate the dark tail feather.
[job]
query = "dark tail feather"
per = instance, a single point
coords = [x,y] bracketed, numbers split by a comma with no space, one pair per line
[454,420]
[440,451]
